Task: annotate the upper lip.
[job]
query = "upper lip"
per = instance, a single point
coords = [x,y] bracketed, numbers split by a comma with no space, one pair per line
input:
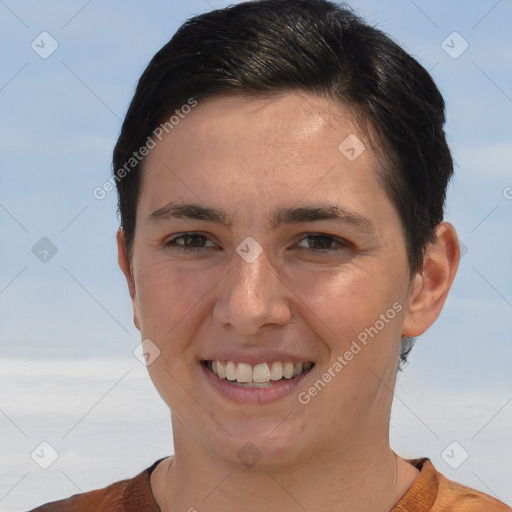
[256,357]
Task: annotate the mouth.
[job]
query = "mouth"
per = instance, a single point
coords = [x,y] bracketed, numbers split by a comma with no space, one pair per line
[256,378]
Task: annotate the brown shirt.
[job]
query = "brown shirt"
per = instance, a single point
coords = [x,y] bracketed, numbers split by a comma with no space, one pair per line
[430,492]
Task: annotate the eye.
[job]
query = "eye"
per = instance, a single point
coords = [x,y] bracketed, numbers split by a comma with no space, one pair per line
[317,243]
[188,241]
[323,243]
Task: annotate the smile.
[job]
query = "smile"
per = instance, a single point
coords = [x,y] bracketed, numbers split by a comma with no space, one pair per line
[259,375]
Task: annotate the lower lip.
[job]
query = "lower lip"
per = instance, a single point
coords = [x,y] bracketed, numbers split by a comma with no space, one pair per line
[278,390]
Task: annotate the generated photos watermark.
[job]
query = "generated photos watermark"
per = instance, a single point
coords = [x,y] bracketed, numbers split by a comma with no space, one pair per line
[101,192]
[305,397]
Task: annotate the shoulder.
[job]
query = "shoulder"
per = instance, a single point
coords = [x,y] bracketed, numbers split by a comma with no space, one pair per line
[458,497]
[433,492]
[131,495]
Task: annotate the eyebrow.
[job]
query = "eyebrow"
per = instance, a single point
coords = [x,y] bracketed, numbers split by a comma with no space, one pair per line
[283,216]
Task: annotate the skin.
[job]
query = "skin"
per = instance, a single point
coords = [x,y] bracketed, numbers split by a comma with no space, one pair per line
[249,157]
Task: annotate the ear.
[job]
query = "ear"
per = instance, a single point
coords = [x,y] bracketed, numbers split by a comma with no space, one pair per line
[429,287]
[124,264]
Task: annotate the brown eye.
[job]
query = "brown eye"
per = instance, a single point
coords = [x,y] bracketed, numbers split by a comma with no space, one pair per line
[187,241]
[323,243]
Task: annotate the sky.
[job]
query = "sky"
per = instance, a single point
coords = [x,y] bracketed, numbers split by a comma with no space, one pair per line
[65,317]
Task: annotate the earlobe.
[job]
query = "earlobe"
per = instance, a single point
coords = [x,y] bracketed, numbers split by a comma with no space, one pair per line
[124,264]
[429,288]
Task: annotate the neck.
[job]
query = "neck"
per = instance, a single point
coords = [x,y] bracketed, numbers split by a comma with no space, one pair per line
[374,480]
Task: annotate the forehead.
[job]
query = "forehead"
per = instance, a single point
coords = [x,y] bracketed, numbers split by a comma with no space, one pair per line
[273,121]
[295,127]
[261,150]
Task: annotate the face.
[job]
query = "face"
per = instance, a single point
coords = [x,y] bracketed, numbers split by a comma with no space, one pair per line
[288,258]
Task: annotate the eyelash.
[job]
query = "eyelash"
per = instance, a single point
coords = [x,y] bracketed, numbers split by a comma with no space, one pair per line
[342,244]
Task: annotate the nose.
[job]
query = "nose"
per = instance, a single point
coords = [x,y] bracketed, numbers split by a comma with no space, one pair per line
[252,296]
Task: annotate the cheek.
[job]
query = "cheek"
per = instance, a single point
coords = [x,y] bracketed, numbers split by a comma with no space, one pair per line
[358,319]
[342,304]
[168,300]
[170,307]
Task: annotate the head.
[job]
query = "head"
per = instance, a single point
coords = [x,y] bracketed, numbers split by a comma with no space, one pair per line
[271,118]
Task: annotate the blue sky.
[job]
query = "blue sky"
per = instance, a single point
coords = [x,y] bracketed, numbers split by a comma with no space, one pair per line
[60,118]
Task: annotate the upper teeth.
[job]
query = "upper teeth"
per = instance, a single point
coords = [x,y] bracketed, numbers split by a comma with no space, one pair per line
[260,373]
